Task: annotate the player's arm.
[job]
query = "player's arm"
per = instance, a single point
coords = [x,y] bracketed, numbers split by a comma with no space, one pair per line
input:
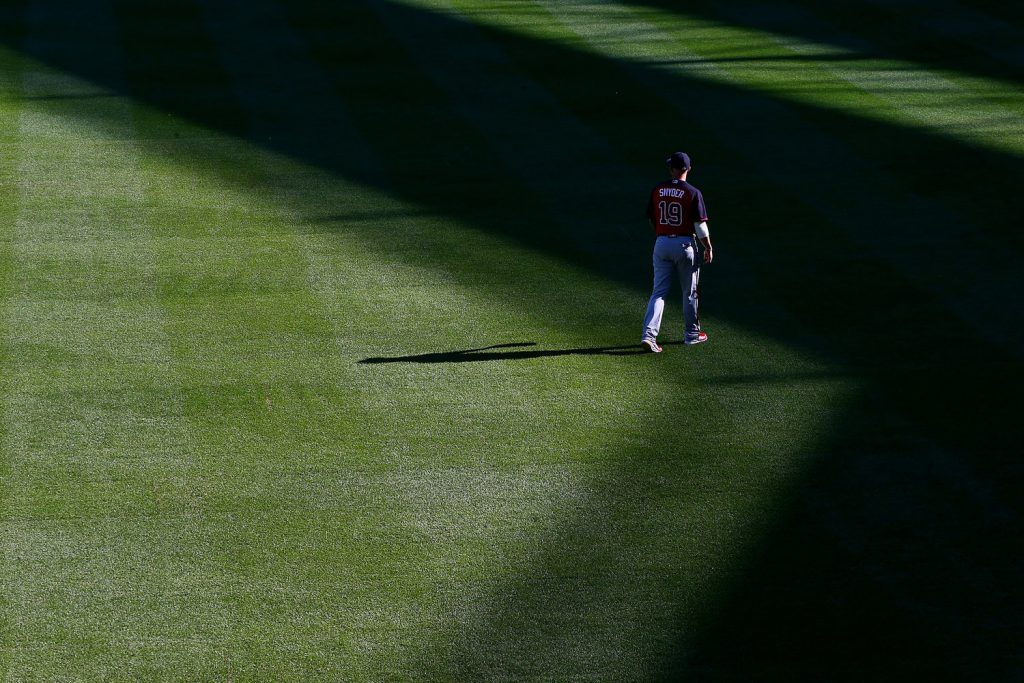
[700,226]
[704,235]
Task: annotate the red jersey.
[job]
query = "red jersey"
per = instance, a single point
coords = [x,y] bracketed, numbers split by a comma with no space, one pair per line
[674,207]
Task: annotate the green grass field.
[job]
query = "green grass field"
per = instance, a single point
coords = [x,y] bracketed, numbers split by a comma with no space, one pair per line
[320,322]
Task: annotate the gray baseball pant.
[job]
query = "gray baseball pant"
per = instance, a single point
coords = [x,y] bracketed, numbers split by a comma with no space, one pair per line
[677,256]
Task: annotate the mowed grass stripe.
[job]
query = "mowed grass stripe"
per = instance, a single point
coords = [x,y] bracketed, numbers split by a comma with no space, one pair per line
[260,368]
[971,109]
[908,28]
[961,105]
[270,420]
[10,112]
[970,37]
[81,335]
[106,548]
[284,439]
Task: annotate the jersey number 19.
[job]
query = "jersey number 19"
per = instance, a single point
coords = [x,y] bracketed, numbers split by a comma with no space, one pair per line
[670,213]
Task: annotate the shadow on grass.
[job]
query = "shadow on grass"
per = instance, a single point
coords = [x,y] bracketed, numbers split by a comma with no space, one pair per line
[900,542]
[981,38]
[816,58]
[83,96]
[490,353]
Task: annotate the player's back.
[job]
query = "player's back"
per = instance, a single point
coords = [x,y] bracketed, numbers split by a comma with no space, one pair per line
[674,206]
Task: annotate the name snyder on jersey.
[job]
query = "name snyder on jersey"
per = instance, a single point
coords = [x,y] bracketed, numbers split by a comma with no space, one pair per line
[671,192]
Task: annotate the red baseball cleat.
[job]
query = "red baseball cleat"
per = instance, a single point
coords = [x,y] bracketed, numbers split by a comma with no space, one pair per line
[699,339]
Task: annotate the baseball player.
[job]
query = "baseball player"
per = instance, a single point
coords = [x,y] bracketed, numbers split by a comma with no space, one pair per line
[677,214]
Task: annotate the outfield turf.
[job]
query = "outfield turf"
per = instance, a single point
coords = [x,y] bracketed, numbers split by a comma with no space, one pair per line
[320,340]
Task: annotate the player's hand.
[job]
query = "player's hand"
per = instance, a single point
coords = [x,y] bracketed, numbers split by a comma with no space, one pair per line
[708,256]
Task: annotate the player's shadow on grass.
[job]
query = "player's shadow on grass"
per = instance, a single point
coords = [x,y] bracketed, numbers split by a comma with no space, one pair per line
[498,352]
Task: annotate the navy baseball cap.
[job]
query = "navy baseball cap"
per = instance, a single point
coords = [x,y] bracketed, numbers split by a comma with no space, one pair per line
[679,160]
